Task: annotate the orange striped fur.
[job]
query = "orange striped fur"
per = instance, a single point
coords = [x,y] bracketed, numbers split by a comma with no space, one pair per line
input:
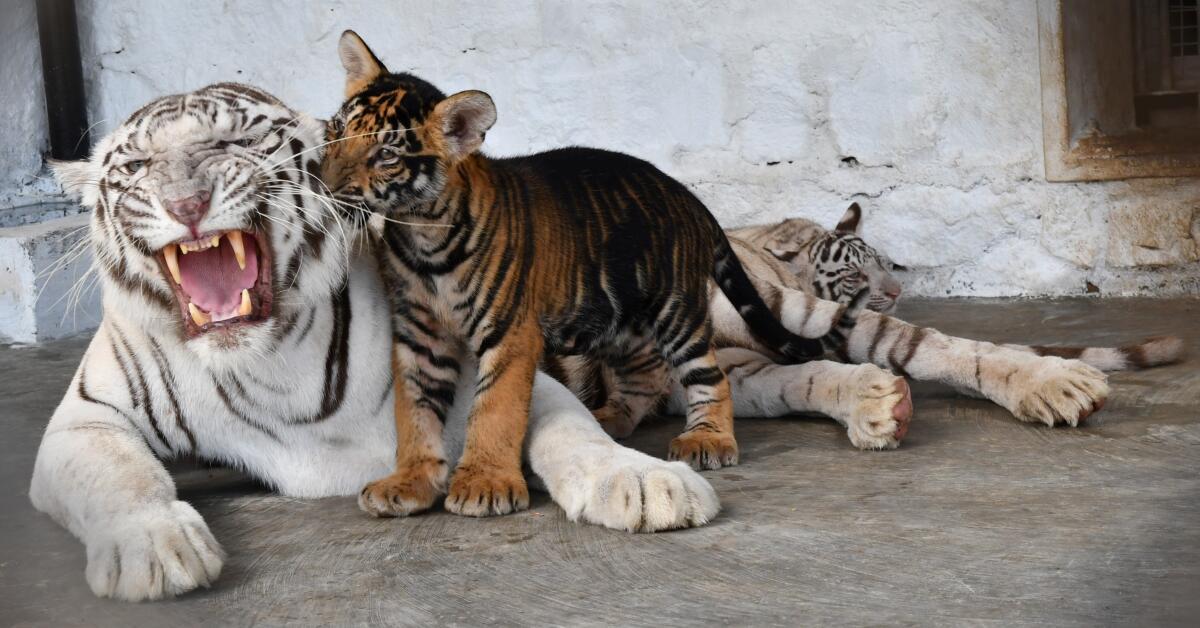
[504,261]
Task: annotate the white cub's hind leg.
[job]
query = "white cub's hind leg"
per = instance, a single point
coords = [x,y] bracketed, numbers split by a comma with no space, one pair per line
[1037,389]
[598,481]
[874,405]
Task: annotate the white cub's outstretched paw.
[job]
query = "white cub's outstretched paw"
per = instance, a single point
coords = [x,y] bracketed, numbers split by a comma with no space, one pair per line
[881,409]
[154,554]
[1055,391]
[635,492]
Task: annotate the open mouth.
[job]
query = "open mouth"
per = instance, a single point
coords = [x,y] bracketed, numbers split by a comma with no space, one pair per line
[221,280]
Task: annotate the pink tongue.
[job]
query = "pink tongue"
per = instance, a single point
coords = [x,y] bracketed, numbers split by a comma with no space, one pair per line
[211,278]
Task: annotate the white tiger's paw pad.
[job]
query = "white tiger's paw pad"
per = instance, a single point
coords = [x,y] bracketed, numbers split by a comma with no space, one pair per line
[881,417]
[1060,392]
[638,493]
[152,555]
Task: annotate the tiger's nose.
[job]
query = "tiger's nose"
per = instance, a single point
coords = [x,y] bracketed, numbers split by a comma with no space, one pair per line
[190,210]
[892,292]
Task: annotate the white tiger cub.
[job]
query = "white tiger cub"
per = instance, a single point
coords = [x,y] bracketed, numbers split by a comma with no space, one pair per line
[1041,384]
[239,327]
[837,263]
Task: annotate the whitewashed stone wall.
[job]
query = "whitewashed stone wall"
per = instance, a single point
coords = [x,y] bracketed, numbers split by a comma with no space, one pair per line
[926,112]
[22,107]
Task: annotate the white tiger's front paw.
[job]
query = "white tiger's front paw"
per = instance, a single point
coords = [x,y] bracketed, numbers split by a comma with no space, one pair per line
[882,410]
[1057,391]
[635,492]
[154,554]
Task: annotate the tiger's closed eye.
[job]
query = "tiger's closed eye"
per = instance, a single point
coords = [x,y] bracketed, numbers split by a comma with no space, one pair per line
[387,156]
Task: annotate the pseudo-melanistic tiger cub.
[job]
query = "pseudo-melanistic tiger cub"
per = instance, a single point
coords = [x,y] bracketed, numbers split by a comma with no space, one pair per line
[574,250]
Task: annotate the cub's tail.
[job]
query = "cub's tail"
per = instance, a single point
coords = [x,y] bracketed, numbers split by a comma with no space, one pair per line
[736,285]
[1155,351]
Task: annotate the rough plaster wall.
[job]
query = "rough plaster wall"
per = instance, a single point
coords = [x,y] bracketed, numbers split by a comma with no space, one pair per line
[22,105]
[928,112]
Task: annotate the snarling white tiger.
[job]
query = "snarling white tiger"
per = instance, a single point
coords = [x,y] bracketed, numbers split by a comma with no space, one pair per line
[241,327]
[803,272]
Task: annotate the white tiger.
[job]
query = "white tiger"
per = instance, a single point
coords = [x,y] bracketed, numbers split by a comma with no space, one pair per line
[240,327]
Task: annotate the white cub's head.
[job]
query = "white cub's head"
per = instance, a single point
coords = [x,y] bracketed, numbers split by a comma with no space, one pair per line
[840,262]
[208,219]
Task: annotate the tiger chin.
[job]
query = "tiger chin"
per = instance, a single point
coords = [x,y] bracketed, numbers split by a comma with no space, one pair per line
[239,327]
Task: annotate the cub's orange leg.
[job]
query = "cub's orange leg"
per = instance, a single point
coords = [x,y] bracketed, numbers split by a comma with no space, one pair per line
[421,469]
[488,480]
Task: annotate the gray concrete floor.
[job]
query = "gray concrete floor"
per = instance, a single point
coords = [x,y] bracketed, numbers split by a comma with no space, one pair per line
[976,519]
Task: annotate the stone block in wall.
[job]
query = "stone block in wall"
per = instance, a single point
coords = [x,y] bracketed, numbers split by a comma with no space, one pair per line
[44,293]
[1153,233]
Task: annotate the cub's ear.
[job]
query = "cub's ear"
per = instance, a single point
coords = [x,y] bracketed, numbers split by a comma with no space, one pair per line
[462,120]
[79,179]
[850,220]
[362,66]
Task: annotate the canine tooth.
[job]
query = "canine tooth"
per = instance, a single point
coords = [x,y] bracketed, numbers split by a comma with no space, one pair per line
[199,316]
[171,254]
[239,248]
[245,308]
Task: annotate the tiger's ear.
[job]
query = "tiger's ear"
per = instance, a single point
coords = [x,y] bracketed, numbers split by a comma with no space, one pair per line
[850,220]
[79,179]
[362,66]
[462,121]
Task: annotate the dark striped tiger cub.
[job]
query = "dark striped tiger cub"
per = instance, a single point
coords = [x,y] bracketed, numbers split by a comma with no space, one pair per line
[501,261]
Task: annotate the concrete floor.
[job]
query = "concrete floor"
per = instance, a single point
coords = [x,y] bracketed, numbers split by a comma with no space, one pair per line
[976,519]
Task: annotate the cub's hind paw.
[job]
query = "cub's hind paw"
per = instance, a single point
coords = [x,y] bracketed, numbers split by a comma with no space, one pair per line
[405,492]
[477,491]
[616,422]
[704,450]
[1060,392]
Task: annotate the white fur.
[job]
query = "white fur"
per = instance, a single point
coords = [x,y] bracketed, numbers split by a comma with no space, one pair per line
[862,397]
[99,471]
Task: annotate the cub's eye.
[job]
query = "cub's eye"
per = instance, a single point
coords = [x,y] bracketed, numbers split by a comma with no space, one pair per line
[245,142]
[387,156]
[132,167]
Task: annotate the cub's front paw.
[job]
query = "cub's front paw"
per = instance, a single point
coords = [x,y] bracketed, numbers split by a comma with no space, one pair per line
[1057,391]
[154,554]
[479,491]
[409,490]
[704,449]
[882,410]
